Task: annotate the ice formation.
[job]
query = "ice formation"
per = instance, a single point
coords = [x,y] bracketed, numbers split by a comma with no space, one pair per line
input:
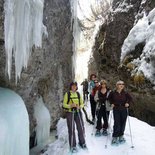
[23,28]
[14,130]
[87,16]
[142,32]
[42,117]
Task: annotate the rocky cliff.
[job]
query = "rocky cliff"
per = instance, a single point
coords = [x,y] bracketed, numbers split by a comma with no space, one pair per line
[49,68]
[107,51]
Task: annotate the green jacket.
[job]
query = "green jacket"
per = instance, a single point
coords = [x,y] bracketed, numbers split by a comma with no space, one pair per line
[73,99]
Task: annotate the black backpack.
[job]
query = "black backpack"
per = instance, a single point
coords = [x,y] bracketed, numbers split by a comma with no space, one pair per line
[69,94]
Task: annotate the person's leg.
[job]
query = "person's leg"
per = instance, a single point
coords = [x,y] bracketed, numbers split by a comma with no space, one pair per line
[93,106]
[123,121]
[80,128]
[104,113]
[107,112]
[99,117]
[117,121]
[71,129]
[84,95]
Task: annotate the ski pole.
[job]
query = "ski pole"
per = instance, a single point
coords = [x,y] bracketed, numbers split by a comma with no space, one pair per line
[72,128]
[82,127]
[108,128]
[132,146]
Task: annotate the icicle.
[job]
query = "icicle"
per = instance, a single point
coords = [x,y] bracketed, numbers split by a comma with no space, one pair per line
[23,29]
[42,116]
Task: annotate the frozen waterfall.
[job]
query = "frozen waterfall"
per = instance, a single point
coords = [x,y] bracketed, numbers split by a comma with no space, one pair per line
[23,28]
[14,130]
[87,16]
[42,117]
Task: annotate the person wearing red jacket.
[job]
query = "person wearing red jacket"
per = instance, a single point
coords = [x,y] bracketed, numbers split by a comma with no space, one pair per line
[93,102]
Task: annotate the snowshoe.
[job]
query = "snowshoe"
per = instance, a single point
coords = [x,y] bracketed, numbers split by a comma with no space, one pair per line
[105,133]
[122,140]
[74,150]
[98,133]
[115,141]
[83,146]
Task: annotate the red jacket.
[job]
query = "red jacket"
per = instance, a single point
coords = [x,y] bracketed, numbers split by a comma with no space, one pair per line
[95,89]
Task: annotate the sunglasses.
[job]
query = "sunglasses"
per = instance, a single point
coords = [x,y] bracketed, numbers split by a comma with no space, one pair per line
[121,84]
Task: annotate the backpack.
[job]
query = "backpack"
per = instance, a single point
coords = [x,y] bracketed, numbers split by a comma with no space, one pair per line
[69,94]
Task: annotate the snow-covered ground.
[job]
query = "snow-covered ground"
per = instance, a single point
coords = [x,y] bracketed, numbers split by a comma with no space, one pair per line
[142,133]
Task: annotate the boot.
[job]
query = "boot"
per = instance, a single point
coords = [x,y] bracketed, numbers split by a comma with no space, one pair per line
[122,139]
[115,141]
[83,146]
[98,133]
[74,150]
[105,133]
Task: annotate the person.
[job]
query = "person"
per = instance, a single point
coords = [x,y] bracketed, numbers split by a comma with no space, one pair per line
[120,101]
[73,104]
[93,102]
[85,89]
[101,97]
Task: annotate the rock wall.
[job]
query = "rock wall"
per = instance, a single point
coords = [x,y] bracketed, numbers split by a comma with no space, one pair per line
[49,69]
[107,50]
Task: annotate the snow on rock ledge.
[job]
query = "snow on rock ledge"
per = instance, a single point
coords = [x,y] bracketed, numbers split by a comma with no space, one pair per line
[143,31]
[14,130]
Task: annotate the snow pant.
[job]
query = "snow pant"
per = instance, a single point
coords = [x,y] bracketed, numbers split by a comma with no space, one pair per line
[71,128]
[120,116]
[85,95]
[102,114]
[93,106]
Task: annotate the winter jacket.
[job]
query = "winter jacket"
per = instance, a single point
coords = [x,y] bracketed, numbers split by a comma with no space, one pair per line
[119,99]
[73,99]
[91,86]
[95,89]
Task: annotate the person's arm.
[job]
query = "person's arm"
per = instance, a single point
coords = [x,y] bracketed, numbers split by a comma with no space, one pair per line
[110,98]
[65,104]
[96,97]
[129,100]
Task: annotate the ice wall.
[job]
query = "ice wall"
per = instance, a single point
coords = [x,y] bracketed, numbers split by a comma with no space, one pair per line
[23,28]
[14,130]
[42,117]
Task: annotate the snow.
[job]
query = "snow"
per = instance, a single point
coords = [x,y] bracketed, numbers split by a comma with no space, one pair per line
[14,130]
[23,28]
[142,134]
[123,7]
[42,117]
[142,32]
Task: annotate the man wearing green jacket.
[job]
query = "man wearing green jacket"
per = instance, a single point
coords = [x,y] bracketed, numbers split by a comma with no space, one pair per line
[73,104]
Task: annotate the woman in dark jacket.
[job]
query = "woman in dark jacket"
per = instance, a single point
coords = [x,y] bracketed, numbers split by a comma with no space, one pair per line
[101,96]
[120,101]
